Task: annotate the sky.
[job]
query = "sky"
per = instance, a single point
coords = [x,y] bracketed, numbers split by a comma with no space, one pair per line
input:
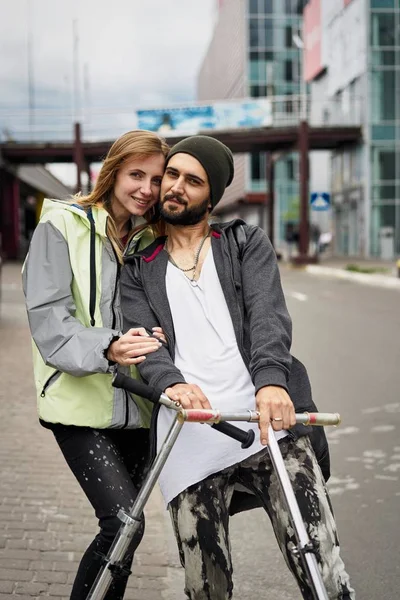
[99,60]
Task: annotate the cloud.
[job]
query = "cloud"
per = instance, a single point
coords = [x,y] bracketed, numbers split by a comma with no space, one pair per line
[130,54]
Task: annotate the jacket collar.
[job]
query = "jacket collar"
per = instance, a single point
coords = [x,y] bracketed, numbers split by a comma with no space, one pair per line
[151,252]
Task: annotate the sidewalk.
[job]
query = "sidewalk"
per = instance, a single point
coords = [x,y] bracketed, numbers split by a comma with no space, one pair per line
[385,274]
[46,521]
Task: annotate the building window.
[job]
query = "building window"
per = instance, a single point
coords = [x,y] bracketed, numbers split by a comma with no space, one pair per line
[294,7]
[384,192]
[384,58]
[267,7]
[254,7]
[254,70]
[384,216]
[255,165]
[288,70]
[259,55]
[383,3]
[383,164]
[258,91]
[382,29]
[383,95]
[254,33]
[266,33]
[289,36]
[290,163]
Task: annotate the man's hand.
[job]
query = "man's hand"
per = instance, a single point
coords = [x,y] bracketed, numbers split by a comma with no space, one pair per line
[159,334]
[188,395]
[275,408]
[130,348]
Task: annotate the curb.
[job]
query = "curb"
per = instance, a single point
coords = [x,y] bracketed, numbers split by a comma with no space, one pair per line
[363,278]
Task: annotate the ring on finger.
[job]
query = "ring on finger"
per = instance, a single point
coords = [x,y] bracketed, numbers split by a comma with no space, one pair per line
[189,393]
[277,419]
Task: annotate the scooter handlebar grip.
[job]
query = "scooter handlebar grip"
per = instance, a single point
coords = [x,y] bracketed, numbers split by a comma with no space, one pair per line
[245,437]
[136,387]
[323,419]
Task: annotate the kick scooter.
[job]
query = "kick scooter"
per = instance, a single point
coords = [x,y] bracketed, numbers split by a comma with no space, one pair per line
[113,563]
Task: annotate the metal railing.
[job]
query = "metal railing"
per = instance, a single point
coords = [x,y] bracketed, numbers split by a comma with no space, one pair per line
[57,124]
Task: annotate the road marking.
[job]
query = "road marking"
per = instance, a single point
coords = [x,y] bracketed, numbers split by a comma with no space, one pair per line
[299,296]
[10,287]
[382,428]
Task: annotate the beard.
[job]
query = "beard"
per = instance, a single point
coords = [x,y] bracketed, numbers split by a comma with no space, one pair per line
[187,216]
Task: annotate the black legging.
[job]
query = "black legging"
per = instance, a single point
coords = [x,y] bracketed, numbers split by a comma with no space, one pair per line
[109,464]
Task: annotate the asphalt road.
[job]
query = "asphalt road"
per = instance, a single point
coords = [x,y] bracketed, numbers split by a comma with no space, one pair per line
[348,336]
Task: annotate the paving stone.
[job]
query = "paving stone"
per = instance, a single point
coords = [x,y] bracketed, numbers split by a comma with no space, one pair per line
[46,522]
[31,589]
[51,577]
[6,587]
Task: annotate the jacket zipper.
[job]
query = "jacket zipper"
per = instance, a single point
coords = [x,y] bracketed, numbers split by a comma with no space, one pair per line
[113,325]
[46,385]
[114,318]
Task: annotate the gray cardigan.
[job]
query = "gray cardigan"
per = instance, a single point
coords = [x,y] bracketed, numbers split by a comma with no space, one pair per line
[253,293]
[250,281]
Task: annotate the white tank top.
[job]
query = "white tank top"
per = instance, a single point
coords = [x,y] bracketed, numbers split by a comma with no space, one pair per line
[207,354]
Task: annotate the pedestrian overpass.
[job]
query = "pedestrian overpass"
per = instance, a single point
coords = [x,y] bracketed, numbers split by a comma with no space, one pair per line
[292,125]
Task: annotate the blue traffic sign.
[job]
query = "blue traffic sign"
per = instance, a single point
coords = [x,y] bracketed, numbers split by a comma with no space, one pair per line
[320,201]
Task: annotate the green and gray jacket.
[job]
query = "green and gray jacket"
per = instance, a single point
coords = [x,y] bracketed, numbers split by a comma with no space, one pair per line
[70,281]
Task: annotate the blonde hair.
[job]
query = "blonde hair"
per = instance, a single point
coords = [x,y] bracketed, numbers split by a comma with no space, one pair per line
[138,144]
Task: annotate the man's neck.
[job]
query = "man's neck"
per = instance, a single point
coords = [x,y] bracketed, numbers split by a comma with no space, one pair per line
[186,236]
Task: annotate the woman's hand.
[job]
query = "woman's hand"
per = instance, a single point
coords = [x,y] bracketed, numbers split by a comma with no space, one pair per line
[188,395]
[130,348]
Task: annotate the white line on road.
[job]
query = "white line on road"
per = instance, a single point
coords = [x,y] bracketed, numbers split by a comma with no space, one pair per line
[299,296]
[10,286]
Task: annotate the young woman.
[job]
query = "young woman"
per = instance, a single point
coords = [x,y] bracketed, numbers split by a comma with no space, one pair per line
[71,287]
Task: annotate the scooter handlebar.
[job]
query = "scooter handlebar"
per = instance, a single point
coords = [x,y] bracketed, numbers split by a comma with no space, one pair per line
[153,394]
[136,387]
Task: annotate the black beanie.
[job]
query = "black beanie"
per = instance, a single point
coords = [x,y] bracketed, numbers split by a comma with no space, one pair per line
[214,156]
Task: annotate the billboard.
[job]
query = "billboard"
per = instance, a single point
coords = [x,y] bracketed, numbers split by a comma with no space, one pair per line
[189,120]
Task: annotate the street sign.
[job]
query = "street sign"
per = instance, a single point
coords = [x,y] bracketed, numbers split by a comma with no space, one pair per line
[320,201]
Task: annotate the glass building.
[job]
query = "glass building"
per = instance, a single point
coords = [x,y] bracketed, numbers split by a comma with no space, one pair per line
[252,54]
[384,124]
[365,178]
[355,77]
[274,69]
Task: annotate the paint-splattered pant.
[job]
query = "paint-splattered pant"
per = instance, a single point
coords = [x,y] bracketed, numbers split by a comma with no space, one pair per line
[200,516]
[109,465]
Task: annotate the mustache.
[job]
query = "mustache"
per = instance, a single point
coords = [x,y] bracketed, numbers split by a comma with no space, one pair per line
[174,197]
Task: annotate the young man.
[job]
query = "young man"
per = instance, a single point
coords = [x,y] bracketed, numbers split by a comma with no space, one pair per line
[220,303]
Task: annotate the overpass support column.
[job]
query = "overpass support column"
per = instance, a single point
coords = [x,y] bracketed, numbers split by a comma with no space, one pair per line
[9,215]
[271,197]
[304,231]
